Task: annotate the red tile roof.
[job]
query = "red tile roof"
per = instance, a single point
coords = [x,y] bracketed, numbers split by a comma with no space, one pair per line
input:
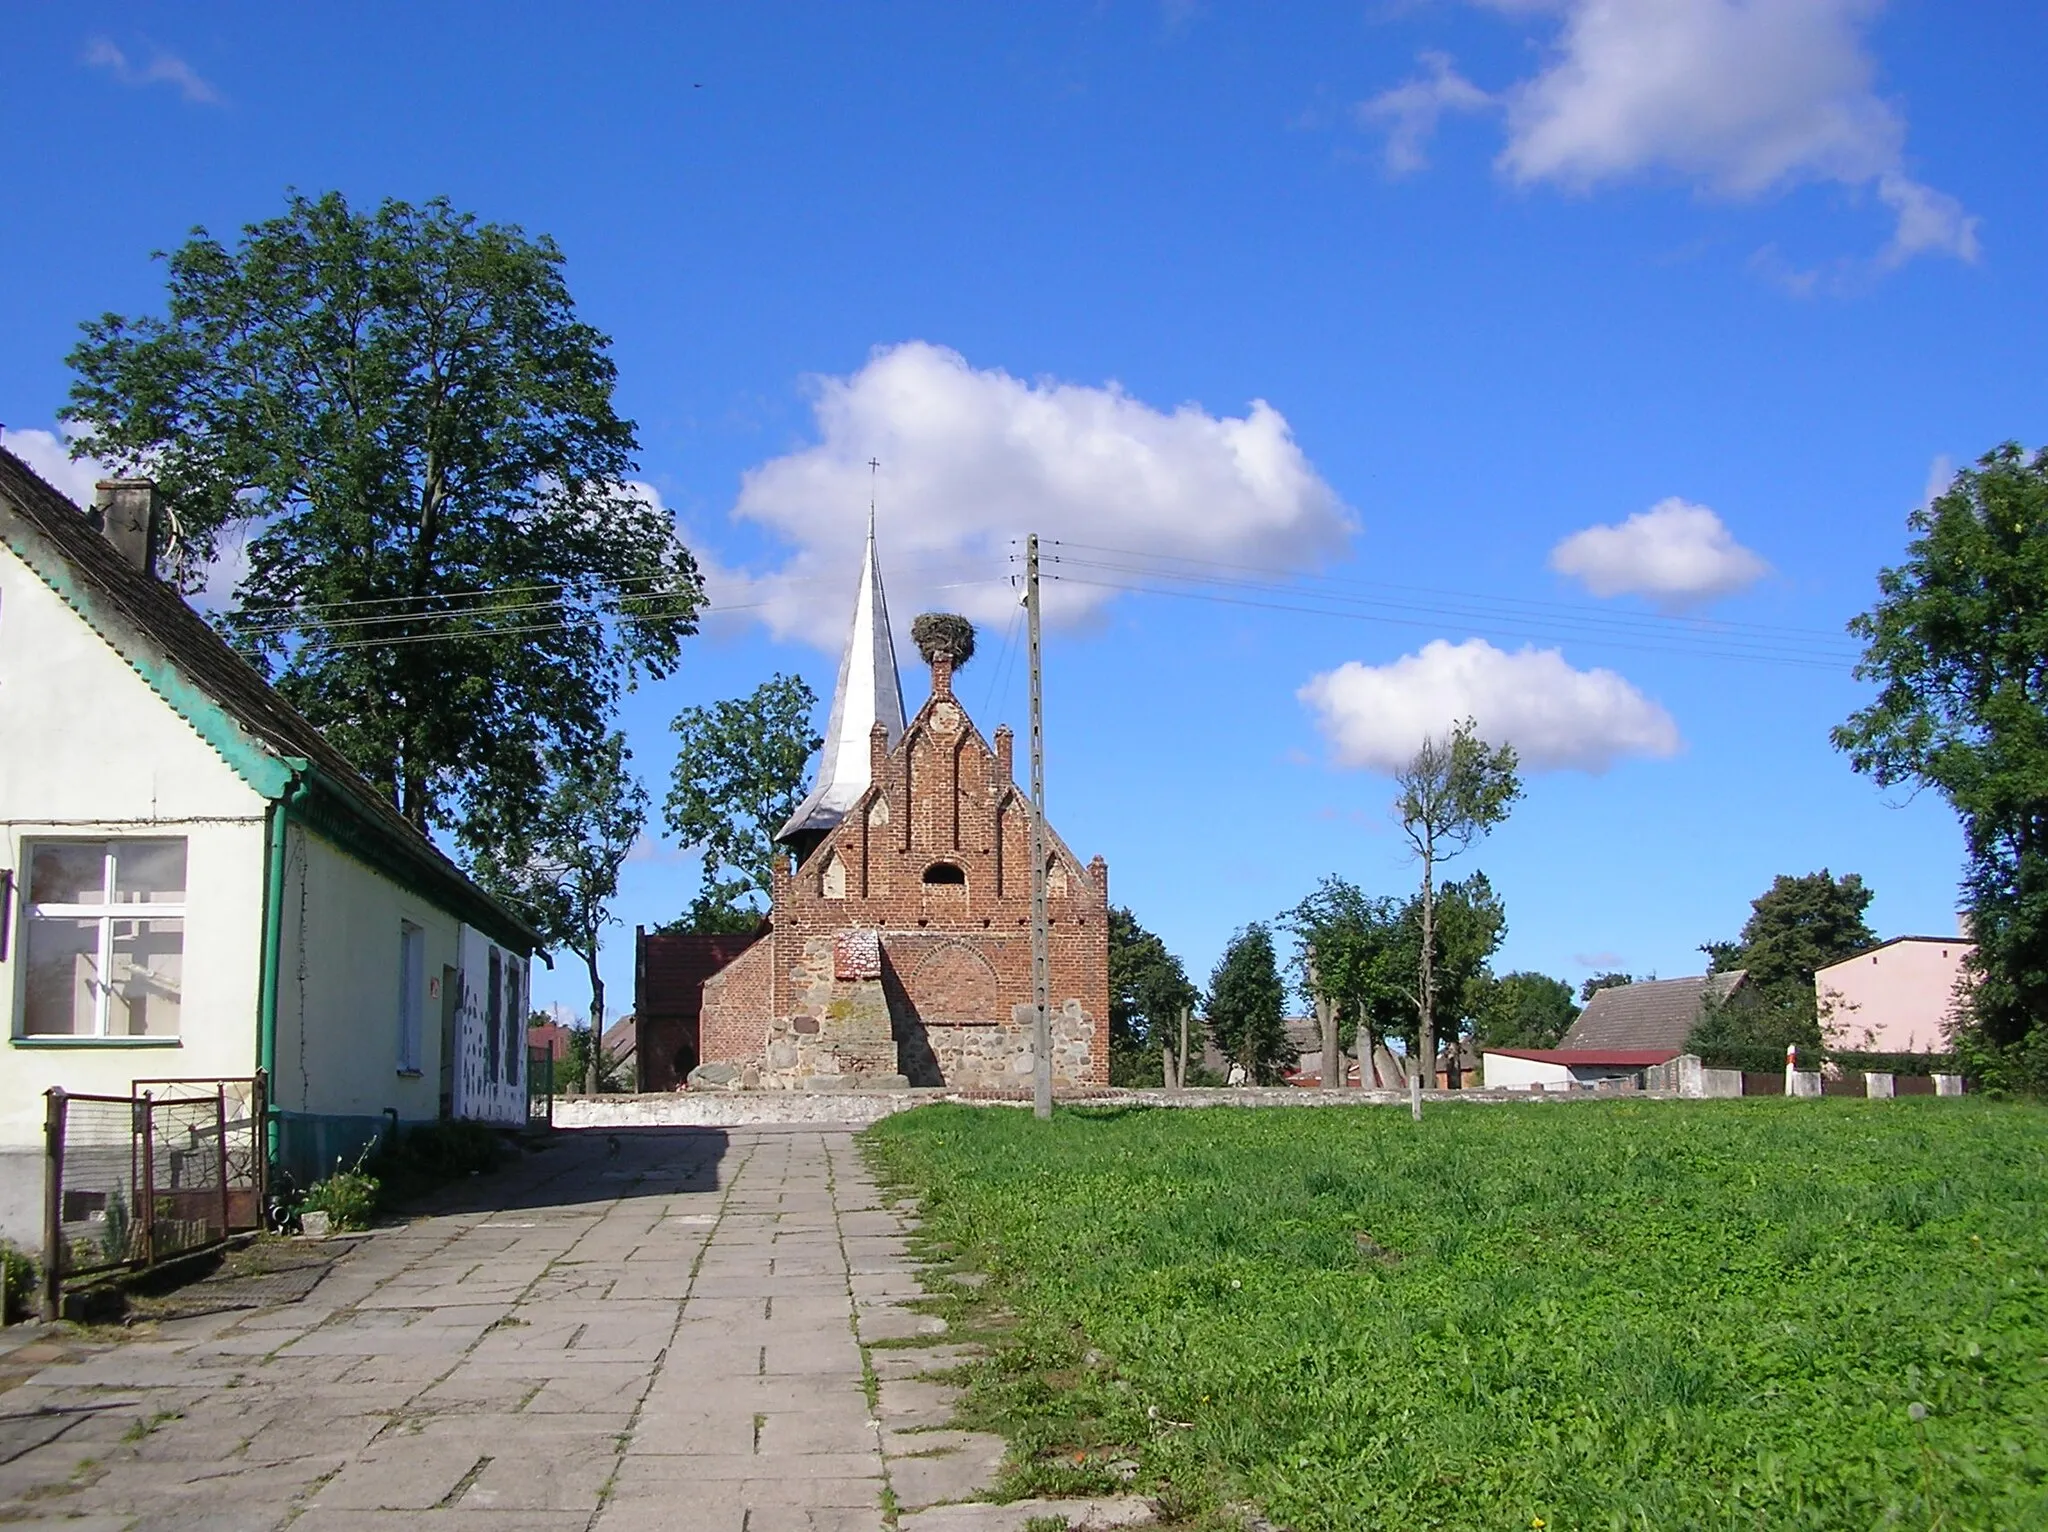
[669,977]
[1625,1058]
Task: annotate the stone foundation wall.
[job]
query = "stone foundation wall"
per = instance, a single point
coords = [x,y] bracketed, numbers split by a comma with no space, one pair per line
[999,1055]
[838,1028]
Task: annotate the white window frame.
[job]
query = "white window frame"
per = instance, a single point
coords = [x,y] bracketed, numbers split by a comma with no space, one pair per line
[106,913]
[412,983]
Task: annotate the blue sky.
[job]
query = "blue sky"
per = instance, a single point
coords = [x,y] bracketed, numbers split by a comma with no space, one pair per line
[1396,299]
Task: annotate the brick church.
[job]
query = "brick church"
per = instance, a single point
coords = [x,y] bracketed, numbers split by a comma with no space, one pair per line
[897,948]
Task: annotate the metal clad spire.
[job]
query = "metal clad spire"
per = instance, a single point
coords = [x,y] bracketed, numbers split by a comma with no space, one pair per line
[869,692]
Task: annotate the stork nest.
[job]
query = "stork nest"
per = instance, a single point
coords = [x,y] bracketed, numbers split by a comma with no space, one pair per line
[944,634]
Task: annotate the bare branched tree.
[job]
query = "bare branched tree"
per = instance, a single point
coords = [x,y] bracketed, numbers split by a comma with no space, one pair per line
[1453,792]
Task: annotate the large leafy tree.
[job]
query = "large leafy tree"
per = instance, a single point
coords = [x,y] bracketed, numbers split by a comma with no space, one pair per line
[739,775]
[1524,1010]
[1148,990]
[1245,1004]
[559,865]
[1958,646]
[1451,793]
[1600,981]
[1354,968]
[1795,927]
[448,570]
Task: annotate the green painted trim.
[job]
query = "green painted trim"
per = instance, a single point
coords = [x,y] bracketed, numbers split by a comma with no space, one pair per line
[254,762]
[275,844]
[97,1042]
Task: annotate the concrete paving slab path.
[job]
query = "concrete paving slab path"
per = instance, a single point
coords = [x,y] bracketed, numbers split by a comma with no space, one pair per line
[670,1334]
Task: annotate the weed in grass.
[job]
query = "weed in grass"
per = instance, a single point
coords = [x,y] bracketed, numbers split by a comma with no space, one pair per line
[1797,1314]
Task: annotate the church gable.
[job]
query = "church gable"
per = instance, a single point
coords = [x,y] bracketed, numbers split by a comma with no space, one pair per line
[942,833]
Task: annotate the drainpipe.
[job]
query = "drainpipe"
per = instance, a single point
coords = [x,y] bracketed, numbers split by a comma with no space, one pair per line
[273,924]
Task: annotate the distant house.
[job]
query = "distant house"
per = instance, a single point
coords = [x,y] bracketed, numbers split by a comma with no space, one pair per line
[621,1045]
[194,883]
[1559,1068]
[1622,1031]
[1895,998]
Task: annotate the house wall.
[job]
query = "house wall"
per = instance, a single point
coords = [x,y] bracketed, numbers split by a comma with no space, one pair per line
[339,985]
[1894,1000]
[733,1026]
[1501,1072]
[87,750]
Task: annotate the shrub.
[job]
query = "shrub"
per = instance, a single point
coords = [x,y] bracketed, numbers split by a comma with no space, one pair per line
[348,1197]
[17,1284]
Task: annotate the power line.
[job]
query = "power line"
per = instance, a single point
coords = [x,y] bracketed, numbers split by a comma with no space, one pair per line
[1569,622]
[1759,657]
[1290,577]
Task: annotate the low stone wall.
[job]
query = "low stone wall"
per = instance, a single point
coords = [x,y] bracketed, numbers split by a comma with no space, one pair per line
[736,1109]
[977,1056]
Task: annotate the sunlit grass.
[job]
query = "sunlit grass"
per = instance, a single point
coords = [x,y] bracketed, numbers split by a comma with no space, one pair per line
[1615,1314]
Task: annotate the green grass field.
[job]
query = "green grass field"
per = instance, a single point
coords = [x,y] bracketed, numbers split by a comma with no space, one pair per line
[1757,1314]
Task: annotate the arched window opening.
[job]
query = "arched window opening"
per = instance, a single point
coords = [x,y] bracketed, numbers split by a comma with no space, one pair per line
[945,873]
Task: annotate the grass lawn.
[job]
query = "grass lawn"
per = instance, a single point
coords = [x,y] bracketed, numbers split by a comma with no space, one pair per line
[1757,1314]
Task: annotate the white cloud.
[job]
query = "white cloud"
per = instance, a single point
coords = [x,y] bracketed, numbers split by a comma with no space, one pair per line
[973,459]
[1941,473]
[77,479]
[1740,97]
[50,456]
[1412,111]
[1676,553]
[162,69]
[1557,718]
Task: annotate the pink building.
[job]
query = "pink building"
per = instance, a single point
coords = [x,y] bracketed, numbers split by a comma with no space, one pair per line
[1895,998]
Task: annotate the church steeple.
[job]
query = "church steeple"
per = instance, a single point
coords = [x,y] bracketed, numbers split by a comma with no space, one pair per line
[869,693]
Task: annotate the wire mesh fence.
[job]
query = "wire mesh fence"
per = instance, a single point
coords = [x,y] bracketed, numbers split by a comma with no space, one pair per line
[89,1225]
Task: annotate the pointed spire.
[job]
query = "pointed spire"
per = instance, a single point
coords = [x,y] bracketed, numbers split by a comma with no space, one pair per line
[869,693]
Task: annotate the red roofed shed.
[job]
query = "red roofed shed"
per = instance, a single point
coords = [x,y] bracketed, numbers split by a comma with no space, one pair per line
[668,998]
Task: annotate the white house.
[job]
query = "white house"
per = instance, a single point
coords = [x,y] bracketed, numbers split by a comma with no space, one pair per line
[1542,1069]
[193,883]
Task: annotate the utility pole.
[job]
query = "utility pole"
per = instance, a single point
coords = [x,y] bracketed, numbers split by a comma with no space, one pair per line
[1041,947]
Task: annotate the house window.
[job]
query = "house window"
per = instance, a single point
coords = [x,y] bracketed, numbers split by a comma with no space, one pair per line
[494,1010]
[105,938]
[514,1052]
[945,874]
[412,979]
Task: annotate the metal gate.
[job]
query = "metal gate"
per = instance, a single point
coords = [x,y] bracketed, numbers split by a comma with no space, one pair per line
[174,1167]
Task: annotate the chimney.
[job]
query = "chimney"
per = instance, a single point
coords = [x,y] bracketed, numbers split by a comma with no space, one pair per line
[942,675]
[878,750]
[126,513]
[1005,743]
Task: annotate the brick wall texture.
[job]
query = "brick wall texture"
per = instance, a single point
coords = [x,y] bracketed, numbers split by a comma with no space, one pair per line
[936,860]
